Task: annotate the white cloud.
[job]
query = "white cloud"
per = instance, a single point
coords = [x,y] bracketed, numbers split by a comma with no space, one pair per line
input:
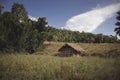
[118,37]
[90,20]
[32,18]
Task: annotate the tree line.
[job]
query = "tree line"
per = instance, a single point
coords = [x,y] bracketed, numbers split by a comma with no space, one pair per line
[59,35]
[19,33]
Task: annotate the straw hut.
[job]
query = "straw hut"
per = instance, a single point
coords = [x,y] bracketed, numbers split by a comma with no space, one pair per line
[71,50]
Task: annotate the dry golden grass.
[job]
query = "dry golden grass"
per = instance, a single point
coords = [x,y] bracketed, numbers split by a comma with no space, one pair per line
[51,48]
[42,67]
[100,48]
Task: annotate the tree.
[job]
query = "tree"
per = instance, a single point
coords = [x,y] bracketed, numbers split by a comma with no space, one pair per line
[98,38]
[19,12]
[117,29]
[34,35]
[1,6]
[41,24]
[32,41]
[18,33]
[10,32]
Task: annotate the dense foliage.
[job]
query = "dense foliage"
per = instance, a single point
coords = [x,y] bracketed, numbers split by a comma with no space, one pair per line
[18,32]
[60,35]
[117,29]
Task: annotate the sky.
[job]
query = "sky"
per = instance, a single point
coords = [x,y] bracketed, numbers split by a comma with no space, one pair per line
[60,13]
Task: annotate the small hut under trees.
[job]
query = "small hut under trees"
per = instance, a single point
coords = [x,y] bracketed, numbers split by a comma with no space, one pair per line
[71,50]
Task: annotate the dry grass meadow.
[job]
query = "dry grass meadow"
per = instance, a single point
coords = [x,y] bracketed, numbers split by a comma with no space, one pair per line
[45,66]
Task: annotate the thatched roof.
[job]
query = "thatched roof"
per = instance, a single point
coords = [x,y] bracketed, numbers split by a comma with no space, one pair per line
[74,46]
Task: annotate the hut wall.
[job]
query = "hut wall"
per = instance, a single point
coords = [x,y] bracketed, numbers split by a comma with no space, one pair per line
[68,51]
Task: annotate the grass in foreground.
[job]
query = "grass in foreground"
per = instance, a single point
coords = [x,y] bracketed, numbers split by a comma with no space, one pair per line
[37,67]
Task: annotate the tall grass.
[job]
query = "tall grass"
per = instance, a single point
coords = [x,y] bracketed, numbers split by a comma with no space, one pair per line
[38,67]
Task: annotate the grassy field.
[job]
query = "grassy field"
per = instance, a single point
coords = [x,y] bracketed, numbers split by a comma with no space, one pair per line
[90,48]
[49,67]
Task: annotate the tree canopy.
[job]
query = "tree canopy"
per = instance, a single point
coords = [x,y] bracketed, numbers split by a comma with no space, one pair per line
[18,32]
[117,29]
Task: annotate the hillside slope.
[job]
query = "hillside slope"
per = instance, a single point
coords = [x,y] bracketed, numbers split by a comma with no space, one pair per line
[51,48]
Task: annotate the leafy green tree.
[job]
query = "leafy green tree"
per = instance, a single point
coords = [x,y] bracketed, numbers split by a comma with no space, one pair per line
[1,6]
[17,32]
[98,38]
[112,39]
[10,31]
[41,24]
[117,29]
[48,32]
[35,35]
[32,41]
[19,12]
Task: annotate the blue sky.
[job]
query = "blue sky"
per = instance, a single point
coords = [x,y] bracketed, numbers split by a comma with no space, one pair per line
[58,12]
